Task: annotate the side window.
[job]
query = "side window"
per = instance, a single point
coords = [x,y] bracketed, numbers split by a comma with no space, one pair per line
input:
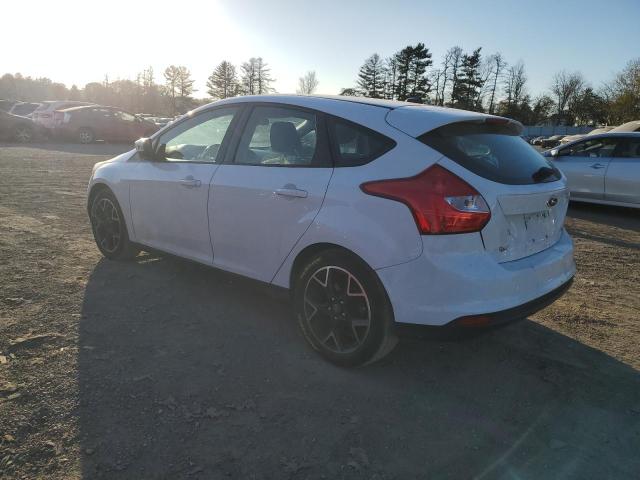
[630,148]
[279,136]
[355,144]
[199,138]
[595,148]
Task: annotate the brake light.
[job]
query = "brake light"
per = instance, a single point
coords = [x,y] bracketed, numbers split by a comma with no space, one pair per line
[441,202]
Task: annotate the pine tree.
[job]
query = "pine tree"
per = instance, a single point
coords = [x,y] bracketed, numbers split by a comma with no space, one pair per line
[412,63]
[223,82]
[371,77]
[468,84]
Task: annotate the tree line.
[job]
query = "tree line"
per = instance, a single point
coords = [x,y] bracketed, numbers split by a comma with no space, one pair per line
[488,83]
[467,80]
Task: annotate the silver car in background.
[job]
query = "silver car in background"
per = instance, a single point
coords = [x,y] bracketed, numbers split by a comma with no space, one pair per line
[602,168]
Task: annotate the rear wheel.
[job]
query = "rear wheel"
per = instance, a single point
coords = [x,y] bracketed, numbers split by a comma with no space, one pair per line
[343,309]
[23,133]
[86,135]
[109,228]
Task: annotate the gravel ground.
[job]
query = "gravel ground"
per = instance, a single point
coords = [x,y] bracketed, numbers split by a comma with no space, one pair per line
[166,369]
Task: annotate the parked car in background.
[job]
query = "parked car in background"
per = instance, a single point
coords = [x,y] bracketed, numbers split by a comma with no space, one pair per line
[573,138]
[551,141]
[602,168]
[536,140]
[162,121]
[14,128]
[633,126]
[372,212]
[43,115]
[87,124]
[6,105]
[24,109]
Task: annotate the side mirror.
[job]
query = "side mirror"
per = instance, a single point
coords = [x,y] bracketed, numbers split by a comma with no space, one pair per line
[144,147]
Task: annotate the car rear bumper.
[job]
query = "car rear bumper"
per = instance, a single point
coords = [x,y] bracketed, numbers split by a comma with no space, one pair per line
[446,286]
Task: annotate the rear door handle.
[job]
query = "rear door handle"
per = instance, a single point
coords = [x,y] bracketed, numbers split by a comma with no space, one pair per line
[291,192]
[597,166]
[190,182]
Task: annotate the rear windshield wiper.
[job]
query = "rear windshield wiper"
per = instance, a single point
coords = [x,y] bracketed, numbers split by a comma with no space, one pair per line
[542,174]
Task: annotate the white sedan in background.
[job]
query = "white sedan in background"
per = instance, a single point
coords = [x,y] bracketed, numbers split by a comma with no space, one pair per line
[373,213]
[602,168]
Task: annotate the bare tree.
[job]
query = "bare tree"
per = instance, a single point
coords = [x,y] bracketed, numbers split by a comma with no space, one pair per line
[307,84]
[566,87]
[499,65]
[514,84]
[256,77]
[455,55]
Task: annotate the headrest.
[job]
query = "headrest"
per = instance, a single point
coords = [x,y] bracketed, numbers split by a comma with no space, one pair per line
[284,137]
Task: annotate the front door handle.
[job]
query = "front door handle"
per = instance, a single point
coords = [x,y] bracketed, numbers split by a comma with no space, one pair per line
[596,166]
[190,182]
[291,192]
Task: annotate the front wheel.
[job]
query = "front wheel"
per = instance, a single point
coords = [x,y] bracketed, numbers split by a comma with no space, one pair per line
[343,310]
[109,228]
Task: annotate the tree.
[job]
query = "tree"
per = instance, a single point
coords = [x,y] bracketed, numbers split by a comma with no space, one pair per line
[467,87]
[371,77]
[588,108]
[223,82]
[565,87]
[622,94]
[455,56]
[412,63]
[256,78]
[541,110]
[308,84]
[172,79]
[515,84]
[498,65]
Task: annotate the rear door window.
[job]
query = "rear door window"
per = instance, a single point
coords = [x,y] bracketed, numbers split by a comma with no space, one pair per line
[494,152]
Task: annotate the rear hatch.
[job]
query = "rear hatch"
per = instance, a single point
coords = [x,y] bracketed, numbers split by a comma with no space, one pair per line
[526,194]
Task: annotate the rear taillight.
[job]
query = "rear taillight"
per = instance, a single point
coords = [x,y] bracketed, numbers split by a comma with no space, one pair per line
[441,202]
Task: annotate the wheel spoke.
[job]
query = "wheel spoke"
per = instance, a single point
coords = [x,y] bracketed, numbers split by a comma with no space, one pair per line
[336,309]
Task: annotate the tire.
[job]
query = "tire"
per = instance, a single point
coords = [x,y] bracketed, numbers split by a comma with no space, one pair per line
[86,135]
[343,309]
[109,228]
[23,134]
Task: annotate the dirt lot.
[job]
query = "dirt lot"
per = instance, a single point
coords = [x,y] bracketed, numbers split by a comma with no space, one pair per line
[165,369]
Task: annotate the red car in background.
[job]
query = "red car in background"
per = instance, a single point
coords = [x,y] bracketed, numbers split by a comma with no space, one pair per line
[96,122]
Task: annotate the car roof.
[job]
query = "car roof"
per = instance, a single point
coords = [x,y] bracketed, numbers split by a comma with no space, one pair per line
[627,127]
[609,134]
[411,118]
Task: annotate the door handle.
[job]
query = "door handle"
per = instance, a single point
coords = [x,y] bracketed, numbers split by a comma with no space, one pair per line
[596,166]
[190,182]
[291,192]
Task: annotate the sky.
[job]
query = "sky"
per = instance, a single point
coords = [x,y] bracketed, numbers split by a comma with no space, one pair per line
[79,41]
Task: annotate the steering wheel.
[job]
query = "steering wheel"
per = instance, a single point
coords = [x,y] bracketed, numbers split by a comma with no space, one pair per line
[210,152]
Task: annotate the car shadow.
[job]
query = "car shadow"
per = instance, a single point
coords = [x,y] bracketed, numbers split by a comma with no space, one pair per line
[188,372]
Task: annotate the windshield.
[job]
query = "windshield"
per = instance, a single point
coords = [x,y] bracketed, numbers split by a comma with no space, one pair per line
[494,152]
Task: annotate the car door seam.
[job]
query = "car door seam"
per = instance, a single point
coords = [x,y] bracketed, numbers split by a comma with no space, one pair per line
[295,244]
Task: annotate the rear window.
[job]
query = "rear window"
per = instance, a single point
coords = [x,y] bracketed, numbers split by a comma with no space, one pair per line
[494,152]
[355,144]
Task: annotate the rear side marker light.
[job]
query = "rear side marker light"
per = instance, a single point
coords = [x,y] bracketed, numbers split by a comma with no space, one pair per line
[441,202]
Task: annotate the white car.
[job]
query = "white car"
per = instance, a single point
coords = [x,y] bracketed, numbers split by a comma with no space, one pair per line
[373,213]
[43,116]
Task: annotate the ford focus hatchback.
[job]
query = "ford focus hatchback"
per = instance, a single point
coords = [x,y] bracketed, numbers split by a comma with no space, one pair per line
[373,213]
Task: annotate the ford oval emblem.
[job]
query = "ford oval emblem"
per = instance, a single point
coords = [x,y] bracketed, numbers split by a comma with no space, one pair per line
[552,202]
